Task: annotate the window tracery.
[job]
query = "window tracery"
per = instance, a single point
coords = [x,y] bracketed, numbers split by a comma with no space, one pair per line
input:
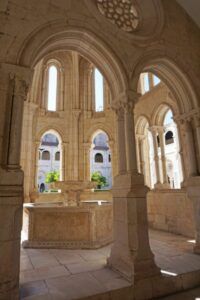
[120,12]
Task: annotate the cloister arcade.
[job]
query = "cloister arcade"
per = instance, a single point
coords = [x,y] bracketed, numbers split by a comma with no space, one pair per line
[70,78]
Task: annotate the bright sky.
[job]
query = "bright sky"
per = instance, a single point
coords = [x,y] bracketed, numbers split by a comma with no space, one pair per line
[98,90]
[168,117]
[52,89]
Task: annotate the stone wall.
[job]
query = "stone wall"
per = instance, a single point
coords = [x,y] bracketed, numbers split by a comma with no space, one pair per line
[171,211]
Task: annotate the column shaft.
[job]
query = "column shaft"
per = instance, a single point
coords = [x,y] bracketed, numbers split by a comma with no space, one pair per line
[163,157]
[121,142]
[156,157]
[131,254]
[130,139]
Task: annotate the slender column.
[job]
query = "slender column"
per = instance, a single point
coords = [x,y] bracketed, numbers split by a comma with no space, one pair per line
[121,141]
[111,145]
[156,157]
[131,254]
[163,157]
[37,144]
[130,138]
[138,153]
[65,159]
[62,161]
[45,81]
[193,183]
[76,115]
[87,148]
[142,159]
[196,130]
[189,148]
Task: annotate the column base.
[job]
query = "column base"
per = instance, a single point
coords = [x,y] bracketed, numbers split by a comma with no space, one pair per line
[196,249]
[130,268]
[131,254]
[193,192]
[11,294]
[162,186]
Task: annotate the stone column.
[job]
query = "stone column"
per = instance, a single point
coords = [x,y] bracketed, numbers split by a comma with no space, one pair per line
[131,254]
[87,148]
[161,134]
[196,130]
[121,149]
[193,183]
[14,82]
[37,144]
[75,153]
[62,162]
[27,152]
[156,157]
[143,166]
[187,139]
[111,145]
[138,153]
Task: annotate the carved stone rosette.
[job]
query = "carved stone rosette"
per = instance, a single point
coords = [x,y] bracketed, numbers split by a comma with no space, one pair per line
[121,13]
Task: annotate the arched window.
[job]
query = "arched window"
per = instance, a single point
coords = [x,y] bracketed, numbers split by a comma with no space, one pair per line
[169,138]
[146,82]
[57,156]
[45,155]
[156,80]
[98,158]
[99,90]
[52,88]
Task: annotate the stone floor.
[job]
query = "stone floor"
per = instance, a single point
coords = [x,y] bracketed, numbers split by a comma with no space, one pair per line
[72,274]
[193,294]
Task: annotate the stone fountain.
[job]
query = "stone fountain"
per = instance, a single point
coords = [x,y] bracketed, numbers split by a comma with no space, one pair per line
[71,223]
[72,190]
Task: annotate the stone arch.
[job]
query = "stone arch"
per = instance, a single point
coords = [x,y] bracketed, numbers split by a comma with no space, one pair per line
[42,42]
[159,113]
[54,130]
[141,123]
[99,128]
[172,75]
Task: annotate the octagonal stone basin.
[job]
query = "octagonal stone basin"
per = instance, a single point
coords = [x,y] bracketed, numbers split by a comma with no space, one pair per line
[55,225]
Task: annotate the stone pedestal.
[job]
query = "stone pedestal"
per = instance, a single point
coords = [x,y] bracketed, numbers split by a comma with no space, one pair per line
[11,198]
[193,191]
[131,254]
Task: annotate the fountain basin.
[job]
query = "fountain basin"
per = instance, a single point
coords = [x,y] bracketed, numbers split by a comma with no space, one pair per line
[55,225]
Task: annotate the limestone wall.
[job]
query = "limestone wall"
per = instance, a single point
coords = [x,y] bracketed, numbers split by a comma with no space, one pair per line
[171,211]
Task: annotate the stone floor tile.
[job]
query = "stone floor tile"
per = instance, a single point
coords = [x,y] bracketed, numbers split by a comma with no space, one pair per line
[33,288]
[75,286]
[68,258]
[25,263]
[105,275]
[91,256]
[33,252]
[86,266]
[43,260]
[43,273]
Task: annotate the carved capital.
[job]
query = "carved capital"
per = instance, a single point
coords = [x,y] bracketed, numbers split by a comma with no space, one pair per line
[20,87]
[76,113]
